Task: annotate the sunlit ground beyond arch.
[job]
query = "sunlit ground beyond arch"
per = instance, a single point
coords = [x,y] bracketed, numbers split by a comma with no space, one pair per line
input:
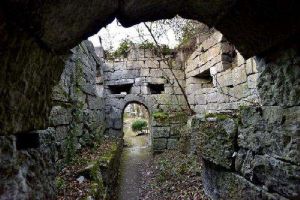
[136,150]
[138,114]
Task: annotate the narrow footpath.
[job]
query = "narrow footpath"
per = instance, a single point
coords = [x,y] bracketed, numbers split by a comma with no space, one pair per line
[135,155]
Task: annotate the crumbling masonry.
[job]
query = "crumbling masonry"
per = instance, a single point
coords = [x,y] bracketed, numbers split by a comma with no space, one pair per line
[246,126]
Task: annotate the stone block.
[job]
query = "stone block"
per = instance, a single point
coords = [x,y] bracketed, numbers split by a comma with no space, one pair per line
[201,99]
[60,116]
[275,175]
[228,106]
[160,132]
[191,99]
[220,184]
[159,144]
[60,93]
[145,72]
[172,144]
[212,107]
[135,90]
[200,109]
[216,141]
[224,79]
[169,90]
[95,103]
[239,91]
[89,89]
[156,80]
[239,60]
[179,74]
[249,66]
[239,75]
[252,81]
[175,130]
[272,130]
[145,90]
[139,81]
[212,97]
[212,40]
[156,73]
[61,132]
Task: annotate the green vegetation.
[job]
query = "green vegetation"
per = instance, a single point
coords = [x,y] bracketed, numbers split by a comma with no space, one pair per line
[147,45]
[139,125]
[60,183]
[160,115]
[123,49]
[165,50]
[190,30]
[219,116]
[172,175]
[87,163]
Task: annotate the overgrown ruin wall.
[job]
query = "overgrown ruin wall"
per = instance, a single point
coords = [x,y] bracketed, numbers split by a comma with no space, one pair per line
[253,151]
[218,78]
[34,39]
[29,163]
[146,79]
[77,115]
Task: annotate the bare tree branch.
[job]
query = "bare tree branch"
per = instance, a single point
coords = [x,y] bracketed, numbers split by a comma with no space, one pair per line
[168,62]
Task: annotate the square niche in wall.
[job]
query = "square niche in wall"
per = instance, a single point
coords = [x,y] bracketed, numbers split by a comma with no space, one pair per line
[205,79]
[120,89]
[156,88]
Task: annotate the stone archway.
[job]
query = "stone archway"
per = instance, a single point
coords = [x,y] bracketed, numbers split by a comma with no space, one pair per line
[149,113]
[46,30]
[33,40]
[117,110]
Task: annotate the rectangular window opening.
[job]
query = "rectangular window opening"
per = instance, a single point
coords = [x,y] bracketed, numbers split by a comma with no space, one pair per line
[156,88]
[206,79]
[26,141]
[120,89]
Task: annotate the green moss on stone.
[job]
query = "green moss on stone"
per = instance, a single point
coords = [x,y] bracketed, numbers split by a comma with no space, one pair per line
[219,116]
[107,157]
[60,183]
[161,116]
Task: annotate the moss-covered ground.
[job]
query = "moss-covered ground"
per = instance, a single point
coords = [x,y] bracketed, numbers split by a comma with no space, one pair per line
[68,187]
[172,175]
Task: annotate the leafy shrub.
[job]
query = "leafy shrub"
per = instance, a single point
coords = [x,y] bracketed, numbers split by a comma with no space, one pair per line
[166,50]
[147,45]
[139,125]
[123,49]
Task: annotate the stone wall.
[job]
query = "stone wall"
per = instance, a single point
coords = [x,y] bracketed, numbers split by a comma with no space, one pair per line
[28,71]
[27,166]
[27,74]
[146,79]
[77,114]
[254,153]
[28,162]
[218,78]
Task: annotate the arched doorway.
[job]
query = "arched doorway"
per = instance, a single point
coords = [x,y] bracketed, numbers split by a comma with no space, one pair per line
[136,125]
[136,152]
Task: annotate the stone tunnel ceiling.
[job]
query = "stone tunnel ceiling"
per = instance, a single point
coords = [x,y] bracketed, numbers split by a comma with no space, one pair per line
[252,26]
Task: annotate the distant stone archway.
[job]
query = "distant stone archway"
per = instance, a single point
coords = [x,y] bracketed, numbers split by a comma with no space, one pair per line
[141,103]
[116,113]
[149,113]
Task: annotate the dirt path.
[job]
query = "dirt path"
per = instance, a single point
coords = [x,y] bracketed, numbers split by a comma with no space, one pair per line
[133,160]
